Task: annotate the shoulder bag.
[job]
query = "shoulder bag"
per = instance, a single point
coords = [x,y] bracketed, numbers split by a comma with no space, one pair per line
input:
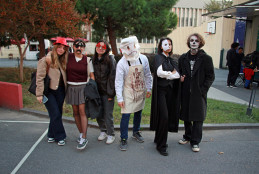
[32,88]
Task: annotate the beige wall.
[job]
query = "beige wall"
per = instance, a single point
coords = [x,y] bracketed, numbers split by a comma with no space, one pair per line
[12,49]
[214,43]
[251,35]
[235,2]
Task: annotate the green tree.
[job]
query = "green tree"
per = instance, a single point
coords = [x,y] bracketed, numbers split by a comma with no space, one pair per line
[121,18]
[215,5]
[157,20]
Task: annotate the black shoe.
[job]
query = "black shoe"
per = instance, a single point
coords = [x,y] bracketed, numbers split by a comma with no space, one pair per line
[138,137]
[123,145]
[163,152]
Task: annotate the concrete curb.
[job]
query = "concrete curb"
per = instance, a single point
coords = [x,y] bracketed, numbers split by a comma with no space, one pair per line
[146,127]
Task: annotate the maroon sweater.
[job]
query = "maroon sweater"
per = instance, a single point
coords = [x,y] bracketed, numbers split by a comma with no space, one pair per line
[76,71]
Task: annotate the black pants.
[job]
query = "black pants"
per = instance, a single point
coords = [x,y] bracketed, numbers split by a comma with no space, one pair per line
[193,131]
[165,109]
[232,75]
[55,106]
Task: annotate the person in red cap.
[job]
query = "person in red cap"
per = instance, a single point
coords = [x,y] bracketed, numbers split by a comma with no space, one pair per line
[78,74]
[54,64]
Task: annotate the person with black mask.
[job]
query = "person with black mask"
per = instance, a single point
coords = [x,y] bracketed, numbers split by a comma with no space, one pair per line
[77,77]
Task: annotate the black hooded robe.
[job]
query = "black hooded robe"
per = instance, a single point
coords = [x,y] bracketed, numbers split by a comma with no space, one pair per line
[173,111]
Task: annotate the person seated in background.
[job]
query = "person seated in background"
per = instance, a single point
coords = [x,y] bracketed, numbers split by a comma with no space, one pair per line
[251,64]
[249,73]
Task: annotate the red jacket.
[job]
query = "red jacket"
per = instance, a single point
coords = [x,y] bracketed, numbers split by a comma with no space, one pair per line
[248,73]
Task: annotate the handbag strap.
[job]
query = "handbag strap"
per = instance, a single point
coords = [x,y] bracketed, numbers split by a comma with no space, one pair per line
[48,66]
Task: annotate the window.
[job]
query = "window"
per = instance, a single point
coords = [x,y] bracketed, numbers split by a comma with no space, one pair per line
[33,48]
[187,17]
[195,18]
[182,21]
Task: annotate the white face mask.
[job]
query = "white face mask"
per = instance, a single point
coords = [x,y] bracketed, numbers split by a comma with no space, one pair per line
[165,45]
[194,42]
[130,52]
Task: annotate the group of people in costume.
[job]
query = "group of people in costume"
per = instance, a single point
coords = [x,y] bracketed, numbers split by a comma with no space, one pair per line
[178,89]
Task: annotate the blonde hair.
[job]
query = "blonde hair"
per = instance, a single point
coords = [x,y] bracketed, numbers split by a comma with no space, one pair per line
[59,60]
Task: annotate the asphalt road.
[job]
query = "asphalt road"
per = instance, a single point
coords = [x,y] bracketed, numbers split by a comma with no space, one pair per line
[24,150]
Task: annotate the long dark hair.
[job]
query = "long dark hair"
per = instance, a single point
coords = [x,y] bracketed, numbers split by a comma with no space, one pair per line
[105,55]
[160,50]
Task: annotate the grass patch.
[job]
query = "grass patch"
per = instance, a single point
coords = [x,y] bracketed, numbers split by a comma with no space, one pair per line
[217,111]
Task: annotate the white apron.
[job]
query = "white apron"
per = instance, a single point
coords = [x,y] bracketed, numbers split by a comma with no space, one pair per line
[134,91]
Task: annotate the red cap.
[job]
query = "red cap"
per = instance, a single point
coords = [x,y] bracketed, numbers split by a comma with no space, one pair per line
[61,40]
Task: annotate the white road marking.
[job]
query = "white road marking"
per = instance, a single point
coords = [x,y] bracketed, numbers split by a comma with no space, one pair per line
[29,152]
[10,121]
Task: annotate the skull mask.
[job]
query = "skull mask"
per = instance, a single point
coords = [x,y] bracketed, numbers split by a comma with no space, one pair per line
[194,42]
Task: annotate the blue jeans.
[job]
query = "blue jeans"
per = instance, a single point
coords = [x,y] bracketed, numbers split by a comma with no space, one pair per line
[54,106]
[125,124]
[247,83]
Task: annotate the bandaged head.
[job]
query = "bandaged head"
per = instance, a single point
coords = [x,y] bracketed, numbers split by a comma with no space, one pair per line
[130,48]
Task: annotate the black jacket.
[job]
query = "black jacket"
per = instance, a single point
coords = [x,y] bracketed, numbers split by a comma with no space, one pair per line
[194,89]
[92,100]
[252,60]
[105,76]
[233,58]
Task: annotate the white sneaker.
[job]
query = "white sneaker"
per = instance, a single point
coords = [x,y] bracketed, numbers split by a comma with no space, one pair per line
[183,141]
[102,136]
[195,148]
[61,142]
[110,139]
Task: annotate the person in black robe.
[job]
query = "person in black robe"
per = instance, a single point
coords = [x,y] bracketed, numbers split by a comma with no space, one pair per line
[165,95]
